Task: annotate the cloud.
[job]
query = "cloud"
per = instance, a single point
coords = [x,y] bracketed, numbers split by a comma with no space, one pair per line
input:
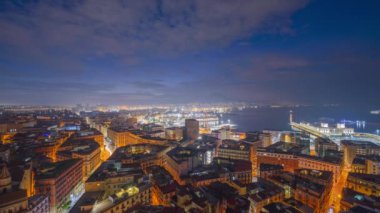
[129,29]
[148,85]
[273,66]
[63,47]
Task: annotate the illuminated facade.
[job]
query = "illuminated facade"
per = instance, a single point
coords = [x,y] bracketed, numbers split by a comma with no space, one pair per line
[323,145]
[352,148]
[191,129]
[125,199]
[181,160]
[367,184]
[164,187]
[87,150]
[11,200]
[123,137]
[38,204]
[367,164]
[291,160]
[262,193]
[59,181]
[118,187]
[174,133]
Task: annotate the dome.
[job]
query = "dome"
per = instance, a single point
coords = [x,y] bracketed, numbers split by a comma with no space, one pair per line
[5,179]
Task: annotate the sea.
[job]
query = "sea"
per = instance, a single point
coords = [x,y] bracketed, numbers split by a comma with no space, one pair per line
[277,118]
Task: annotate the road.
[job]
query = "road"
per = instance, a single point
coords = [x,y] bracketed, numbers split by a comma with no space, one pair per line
[336,193]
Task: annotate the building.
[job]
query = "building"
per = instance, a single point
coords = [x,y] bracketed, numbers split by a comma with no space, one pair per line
[95,135]
[205,176]
[133,195]
[313,188]
[118,135]
[359,165]
[285,180]
[38,203]
[10,127]
[90,134]
[240,170]
[312,194]
[339,130]
[11,199]
[351,199]
[279,207]
[332,164]
[155,209]
[27,181]
[189,198]
[317,176]
[4,153]
[288,137]
[225,198]
[352,148]
[181,160]
[367,164]
[164,186]
[145,155]
[372,164]
[285,153]
[237,150]
[291,159]
[113,176]
[122,137]
[60,181]
[367,184]
[266,170]
[266,139]
[88,150]
[174,133]
[115,186]
[191,129]
[323,145]
[262,193]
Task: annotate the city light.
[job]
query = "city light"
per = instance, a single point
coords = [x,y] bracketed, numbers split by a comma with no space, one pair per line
[189,106]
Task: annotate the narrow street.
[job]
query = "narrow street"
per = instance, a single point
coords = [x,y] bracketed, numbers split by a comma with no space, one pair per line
[336,194]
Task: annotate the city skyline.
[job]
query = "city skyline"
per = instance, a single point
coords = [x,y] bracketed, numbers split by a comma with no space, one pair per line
[154,52]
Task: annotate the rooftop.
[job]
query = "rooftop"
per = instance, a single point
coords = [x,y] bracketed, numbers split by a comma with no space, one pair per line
[270,167]
[110,169]
[365,177]
[279,207]
[355,198]
[263,189]
[137,151]
[327,159]
[237,145]
[180,154]
[315,174]
[284,148]
[53,170]
[83,147]
[361,144]
[154,209]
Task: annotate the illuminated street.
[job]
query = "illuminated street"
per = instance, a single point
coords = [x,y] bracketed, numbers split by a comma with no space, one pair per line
[336,193]
[197,106]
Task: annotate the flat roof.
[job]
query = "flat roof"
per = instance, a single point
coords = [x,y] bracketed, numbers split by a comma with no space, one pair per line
[53,170]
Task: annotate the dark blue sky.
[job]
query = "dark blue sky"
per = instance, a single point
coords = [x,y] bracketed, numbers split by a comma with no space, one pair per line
[137,52]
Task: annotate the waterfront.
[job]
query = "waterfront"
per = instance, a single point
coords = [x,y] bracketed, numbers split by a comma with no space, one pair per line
[278,118]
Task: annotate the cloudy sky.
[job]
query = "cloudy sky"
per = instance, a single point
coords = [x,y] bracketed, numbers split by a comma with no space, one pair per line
[174,51]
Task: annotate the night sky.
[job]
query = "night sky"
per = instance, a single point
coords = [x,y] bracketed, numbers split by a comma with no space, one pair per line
[148,52]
